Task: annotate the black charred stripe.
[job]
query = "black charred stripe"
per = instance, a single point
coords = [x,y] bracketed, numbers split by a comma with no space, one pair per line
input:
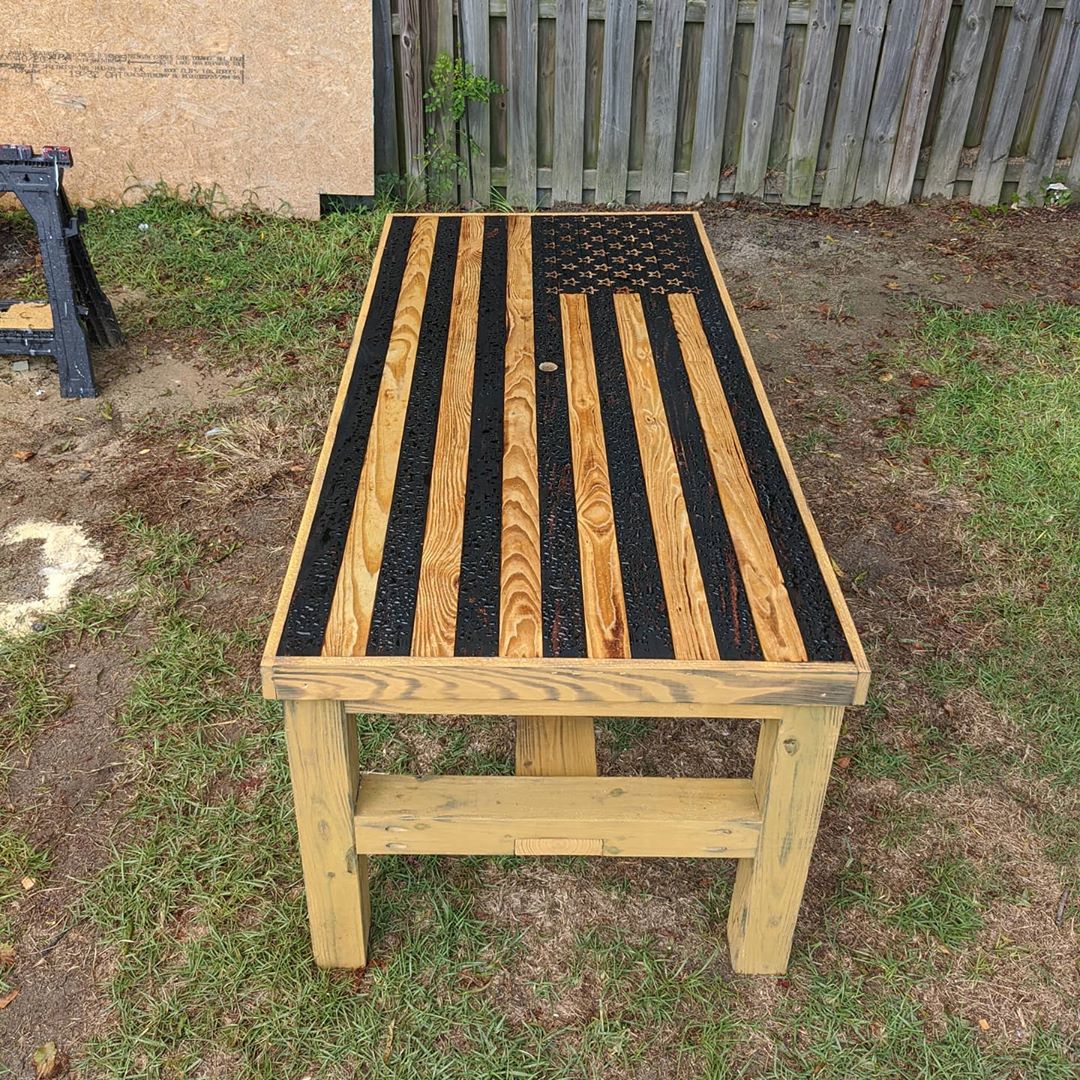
[729,607]
[560,558]
[309,608]
[810,600]
[478,593]
[643,588]
[394,609]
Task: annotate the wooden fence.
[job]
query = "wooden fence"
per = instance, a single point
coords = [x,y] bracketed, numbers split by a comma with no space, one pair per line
[657,101]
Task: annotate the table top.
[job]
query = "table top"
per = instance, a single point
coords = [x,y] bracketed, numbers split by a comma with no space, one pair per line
[552,483]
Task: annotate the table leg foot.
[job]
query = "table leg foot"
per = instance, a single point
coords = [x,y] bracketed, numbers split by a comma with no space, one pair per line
[791,772]
[555,746]
[325,768]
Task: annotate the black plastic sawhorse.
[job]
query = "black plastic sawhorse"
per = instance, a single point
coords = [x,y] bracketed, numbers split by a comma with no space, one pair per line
[78,311]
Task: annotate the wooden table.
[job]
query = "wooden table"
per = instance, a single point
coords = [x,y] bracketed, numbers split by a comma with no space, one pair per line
[552,487]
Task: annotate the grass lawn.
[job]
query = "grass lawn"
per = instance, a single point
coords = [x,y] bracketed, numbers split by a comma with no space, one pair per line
[939,936]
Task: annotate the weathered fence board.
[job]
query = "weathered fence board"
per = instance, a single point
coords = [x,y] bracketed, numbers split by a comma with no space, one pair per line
[412,93]
[521,34]
[1016,54]
[476,52]
[821,34]
[1055,102]
[571,28]
[958,96]
[761,96]
[909,138]
[856,93]
[660,116]
[841,101]
[613,163]
[883,121]
[711,113]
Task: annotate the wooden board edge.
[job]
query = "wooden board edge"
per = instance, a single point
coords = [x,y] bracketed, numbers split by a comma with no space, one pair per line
[292,570]
[505,686]
[836,594]
[601,211]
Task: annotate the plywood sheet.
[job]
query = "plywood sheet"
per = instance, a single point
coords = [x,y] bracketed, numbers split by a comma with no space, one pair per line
[270,101]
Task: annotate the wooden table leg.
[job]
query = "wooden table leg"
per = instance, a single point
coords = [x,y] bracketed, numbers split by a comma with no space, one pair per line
[791,772]
[555,746]
[325,767]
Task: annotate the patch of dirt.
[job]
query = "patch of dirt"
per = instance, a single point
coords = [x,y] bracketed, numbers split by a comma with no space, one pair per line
[68,793]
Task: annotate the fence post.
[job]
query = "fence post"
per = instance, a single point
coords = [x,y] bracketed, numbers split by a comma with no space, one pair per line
[386,141]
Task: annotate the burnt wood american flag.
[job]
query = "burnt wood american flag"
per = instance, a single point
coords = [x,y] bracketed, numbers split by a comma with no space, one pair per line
[550,442]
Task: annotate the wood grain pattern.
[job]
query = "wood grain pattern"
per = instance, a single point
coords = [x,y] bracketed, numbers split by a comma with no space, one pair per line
[707,157]
[886,105]
[412,97]
[325,773]
[601,573]
[660,115]
[769,24]
[824,562]
[821,34]
[1021,40]
[476,52]
[774,619]
[521,627]
[957,95]
[440,563]
[303,532]
[856,93]
[521,36]
[791,773]
[489,815]
[1059,90]
[521,681]
[924,68]
[556,687]
[350,613]
[613,161]
[568,160]
[692,630]
[555,746]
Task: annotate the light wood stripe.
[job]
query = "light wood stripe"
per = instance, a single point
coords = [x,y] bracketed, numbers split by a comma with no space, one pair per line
[440,563]
[350,614]
[521,629]
[692,631]
[777,628]
[601,575]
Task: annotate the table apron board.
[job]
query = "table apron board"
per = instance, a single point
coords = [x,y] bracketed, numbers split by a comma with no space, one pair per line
[496,686]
